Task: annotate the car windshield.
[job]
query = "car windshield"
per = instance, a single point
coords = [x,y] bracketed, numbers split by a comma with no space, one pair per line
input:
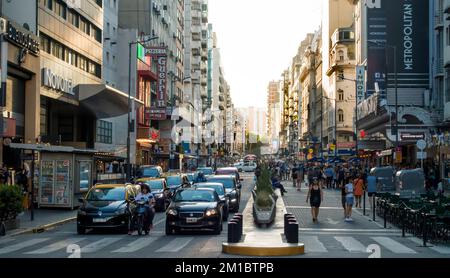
[206,171]
[217,188]
[227,183]
[106,194]
[155,185]
[174,180]
[194,196]
[149,173]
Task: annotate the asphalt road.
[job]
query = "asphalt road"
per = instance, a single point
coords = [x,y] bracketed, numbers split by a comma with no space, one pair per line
[330,238]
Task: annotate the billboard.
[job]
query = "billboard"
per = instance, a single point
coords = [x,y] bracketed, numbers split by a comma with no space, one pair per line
[403,24]
[159,55]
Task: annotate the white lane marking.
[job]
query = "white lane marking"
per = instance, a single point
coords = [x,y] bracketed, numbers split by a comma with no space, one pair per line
[213,245]
[97,245]
[351,244]
[159,222]
[56,246]
[440,249]
[136,245]
[322,208]
[313,245]
[22,245]
[175,245]
[370,218]
[393,245]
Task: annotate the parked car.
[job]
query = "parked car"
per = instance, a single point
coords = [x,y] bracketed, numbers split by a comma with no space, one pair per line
[232,189]
[161,192]
[195,209]
[176,181]
[145,172]
[220,189]
[105,206]
[249,166]
[206,170]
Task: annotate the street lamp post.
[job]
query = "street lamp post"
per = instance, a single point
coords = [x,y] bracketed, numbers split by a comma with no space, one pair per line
[130,45]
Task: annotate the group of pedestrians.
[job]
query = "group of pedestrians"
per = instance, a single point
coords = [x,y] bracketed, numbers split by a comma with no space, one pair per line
[351,180]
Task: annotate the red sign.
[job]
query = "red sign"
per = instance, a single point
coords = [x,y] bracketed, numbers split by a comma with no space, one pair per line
[9,127]
[154,134]
[159,54]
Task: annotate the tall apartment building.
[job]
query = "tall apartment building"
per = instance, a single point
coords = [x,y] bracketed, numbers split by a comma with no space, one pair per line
[273,111]
[338,46]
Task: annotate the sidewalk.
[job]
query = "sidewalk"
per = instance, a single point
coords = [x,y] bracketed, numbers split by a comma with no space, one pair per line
[331,214]
[43,219]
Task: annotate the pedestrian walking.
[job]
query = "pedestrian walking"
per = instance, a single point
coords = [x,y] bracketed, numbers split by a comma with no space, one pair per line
[349,200]
[329,173]
[315,198]
[358,185]
[294,175]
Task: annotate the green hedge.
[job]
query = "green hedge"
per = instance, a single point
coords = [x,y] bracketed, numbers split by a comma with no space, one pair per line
[11,199]
[264,188]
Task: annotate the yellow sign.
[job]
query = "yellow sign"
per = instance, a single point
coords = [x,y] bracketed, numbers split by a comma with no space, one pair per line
[311,151]
[332,147]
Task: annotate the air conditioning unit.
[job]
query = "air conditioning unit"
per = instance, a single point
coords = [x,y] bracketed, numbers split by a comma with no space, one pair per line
[3,25]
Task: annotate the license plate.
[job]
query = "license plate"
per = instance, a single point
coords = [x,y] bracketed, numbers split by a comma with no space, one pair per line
[100,220]
[191,220]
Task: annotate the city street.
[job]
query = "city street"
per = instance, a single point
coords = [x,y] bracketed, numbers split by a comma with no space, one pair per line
[330,238]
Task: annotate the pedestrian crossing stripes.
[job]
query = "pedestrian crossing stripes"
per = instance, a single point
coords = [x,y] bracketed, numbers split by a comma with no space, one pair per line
[136,245]
[96,246]
[22,245]
[175,245]
[56,246]
[393,245]
[122,245]
[351,244]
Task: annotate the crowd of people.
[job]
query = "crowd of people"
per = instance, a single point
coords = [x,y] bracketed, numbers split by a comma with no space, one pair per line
[351,179]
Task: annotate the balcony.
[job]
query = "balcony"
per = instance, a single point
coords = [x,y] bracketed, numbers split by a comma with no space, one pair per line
[204,16]
[196,36]
[204,68]
[221,107]
[196,52]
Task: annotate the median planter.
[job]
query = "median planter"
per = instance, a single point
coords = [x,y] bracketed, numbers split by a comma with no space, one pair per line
[10,206]
[264,205]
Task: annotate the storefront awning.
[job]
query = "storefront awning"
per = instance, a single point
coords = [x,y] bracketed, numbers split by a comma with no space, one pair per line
[104,101]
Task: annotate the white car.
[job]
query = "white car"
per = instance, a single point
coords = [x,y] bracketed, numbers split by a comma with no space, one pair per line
[239,166]
[249,167]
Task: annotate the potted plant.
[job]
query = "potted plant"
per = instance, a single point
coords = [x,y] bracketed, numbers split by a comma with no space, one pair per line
[264,199]
[11,199]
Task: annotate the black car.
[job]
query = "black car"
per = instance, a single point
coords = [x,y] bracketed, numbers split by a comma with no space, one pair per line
[220,189]
[232,189]
[161,192]
[105,206]
[195,209]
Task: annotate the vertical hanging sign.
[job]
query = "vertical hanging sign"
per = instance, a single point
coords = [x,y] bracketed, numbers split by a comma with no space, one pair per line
[360,83]
[159,55]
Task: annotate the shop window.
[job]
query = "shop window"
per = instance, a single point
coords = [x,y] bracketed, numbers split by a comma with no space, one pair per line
[43,117]
[104,132]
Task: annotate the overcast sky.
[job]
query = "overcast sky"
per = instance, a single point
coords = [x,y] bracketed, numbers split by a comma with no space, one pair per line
[257,40]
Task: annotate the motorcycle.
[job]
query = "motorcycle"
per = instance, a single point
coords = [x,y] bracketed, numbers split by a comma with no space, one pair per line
[139,216]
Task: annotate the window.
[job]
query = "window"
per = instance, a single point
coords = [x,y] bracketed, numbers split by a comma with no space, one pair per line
[104,132]
[107,57]
[107,28]
[96,33]
[340,95]
[85,26]
[448,36]
[341,55]
[60,8]
[48,4]
[73,18]
[340,116]
[99,3]
[45,43]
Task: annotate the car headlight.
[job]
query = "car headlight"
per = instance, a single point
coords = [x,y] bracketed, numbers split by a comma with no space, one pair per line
[172,212]
[82,212]
[211,212]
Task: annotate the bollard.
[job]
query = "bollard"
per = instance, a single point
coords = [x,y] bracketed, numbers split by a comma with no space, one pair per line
[292,232]
[288,219]
[286,216]
[239,219]
[424,230]
[232,232]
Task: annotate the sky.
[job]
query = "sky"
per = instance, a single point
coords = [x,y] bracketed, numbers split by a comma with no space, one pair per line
[257,41]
